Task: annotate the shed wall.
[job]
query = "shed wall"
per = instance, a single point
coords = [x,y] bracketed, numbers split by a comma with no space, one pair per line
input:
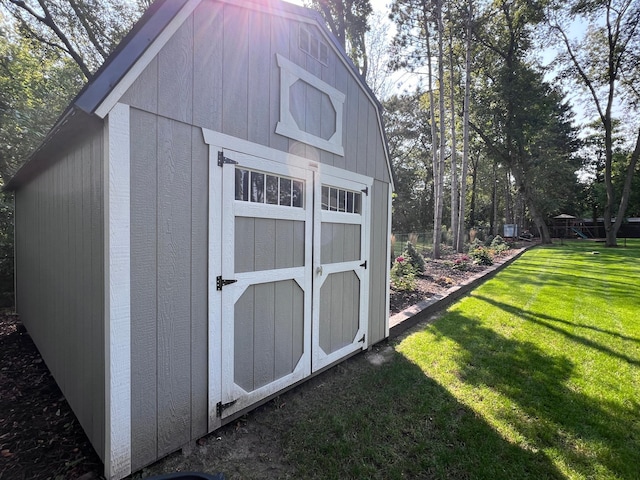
[60,276]
[219,71]
[169,182]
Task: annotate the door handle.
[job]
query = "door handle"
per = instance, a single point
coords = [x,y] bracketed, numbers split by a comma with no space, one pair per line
[319,270]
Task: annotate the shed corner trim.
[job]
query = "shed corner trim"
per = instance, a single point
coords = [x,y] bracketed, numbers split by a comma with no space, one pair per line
[117,458]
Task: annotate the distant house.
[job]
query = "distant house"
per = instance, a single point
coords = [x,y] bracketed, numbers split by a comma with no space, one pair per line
[206,225]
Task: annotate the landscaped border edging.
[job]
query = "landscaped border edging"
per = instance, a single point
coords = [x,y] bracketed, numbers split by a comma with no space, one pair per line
[407,318]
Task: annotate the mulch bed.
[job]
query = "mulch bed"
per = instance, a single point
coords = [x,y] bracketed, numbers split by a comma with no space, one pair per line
[40,437]
[438,277]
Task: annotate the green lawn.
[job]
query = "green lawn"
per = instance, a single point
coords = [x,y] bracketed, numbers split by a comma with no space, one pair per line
[535,375]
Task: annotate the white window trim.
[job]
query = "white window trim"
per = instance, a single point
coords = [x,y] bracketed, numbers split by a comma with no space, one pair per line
[290,73]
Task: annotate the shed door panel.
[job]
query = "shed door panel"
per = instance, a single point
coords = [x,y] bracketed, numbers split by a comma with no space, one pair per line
[294,253]
[340,284]
[267,217]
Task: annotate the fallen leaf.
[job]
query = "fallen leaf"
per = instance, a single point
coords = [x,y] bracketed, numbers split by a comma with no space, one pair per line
[6,453]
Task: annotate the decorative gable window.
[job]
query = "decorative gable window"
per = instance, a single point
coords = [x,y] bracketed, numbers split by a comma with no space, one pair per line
[313,46]
[311,111]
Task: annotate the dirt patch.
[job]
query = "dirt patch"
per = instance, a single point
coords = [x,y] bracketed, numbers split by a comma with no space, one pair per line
[40,438]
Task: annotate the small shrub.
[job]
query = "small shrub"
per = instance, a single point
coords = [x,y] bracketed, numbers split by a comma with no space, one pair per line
[403,274]
[498,245]
[481,256]
[444,281]
[497,240]
[414,257]
[461,263]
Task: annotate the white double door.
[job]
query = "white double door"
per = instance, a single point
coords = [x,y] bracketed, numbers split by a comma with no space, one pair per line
[293,285]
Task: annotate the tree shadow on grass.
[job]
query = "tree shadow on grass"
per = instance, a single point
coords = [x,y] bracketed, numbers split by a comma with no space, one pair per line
[548,321]
[594,438]
[391,421]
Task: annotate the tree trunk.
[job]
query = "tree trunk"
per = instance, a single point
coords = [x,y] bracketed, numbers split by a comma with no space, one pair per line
[437,227]
[465,132]
[454,160]
[626,190]
[434,148]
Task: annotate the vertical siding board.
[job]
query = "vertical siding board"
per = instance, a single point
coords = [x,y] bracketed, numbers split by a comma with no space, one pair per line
[373,143]
[327,73]
[279,44]
[174,275]
[97,319]
[378,275]
[175,75]
[283,333]
[349,242]
[56,290]
[265,246]
[341,82]
[199,287]
[297,56]
[297,325]
[337,299]
[285,244]
[143,93]
[299,242]
[374,154]
[244,244]
[350,136]
[350,306]
[144,416]
[207,76]
[258,83]
[235,72]
[325,315]
[243,340]
[363,128]
[264,340]
[326,237]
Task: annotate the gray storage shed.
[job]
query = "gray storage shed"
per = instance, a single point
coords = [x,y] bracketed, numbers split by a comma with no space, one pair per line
[206,225]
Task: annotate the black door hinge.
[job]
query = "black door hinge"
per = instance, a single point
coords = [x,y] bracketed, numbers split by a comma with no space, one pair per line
[225,160]
[221,407]
[364,264]
[365,190]
[221,283]
[362,339]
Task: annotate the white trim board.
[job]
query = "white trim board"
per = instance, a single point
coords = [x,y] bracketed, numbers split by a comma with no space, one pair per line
[117,458]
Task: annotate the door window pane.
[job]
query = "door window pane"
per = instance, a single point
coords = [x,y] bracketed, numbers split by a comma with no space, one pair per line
[298,193]
[341,200]
[242,185]
[272,190]
[257,187]
[260,187]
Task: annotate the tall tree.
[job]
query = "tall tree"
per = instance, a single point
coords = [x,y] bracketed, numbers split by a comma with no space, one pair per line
[517,106]
[460,230]
[606,62]
[35,85]
[86,30]
[348,21]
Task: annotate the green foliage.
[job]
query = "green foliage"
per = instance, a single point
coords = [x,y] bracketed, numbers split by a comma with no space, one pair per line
[414,257]
[6,250]
[36,84]
[481,255]
[403,274]
[498,245]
